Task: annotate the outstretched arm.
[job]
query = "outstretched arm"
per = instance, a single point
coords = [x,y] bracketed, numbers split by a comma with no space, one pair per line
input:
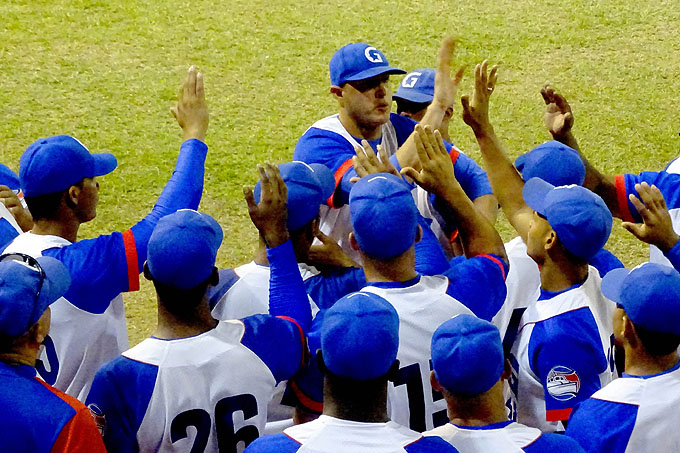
[506,182]
[559,120]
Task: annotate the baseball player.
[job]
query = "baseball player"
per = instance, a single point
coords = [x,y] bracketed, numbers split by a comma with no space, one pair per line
[198,384]
[359,75]
[562,349]
[34,416]
[358,355]
[469,369]
[59,179]
[639,411]
[384,231]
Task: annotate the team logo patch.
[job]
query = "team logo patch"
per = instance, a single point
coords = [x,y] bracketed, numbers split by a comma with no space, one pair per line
[563,383]
[99,418]
[411,79]
[373,55]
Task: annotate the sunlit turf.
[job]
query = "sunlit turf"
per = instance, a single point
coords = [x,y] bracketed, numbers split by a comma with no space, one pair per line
[107,72]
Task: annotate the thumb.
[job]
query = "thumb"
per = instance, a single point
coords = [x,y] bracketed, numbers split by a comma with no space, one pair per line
[411,173]
[636,229]
[465,101]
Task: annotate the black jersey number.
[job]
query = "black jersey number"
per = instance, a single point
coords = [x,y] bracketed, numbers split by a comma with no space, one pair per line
[411,377]
[227,437]
[48,369]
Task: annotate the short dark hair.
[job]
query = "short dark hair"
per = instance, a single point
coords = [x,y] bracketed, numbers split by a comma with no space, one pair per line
[47,206]
[409,106]
[181,302]
[657,344]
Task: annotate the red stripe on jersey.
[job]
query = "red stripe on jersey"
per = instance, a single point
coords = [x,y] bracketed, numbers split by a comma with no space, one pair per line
[306,401]
[557,415]
[497,261]
[302,338]
[622,199]
[453,236]
[454,154]
[131,258]
[339,173]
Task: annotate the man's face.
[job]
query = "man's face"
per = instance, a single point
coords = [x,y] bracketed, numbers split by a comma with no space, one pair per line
[368,102]
[539,229]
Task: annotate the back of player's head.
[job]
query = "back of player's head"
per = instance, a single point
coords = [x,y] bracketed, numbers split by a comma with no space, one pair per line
[579,217]
[650,296]
[182,249]
[553,162]
[359,61]
[27,287]
[308,186]
[54,164]
[383,214]
[417,87]
[467,355]
[360,337]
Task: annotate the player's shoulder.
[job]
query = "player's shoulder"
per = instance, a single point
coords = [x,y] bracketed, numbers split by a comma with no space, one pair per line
[68,399]
[553,443]
[430,444]
[273,443]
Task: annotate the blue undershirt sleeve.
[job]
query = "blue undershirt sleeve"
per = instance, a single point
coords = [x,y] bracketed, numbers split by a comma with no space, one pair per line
[605,261]
[121,392]
[479,284]
[328,287]
[274,443]
[287,295]
[599,425]
[673,256]
[430,258]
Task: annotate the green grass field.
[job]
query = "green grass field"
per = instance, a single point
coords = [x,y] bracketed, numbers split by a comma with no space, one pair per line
[107,72]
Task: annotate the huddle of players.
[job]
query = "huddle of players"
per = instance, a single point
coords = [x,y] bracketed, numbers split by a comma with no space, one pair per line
[491,351]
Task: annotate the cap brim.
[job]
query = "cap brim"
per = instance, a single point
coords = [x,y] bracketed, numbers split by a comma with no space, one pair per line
[374,71]
[535,192]
[413,96]
[326,179]
[104,163]
[613,282]
[57,280]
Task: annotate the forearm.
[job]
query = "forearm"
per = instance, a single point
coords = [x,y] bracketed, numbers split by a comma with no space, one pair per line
[487,206]
[287,294]
[182,191]
[406,154]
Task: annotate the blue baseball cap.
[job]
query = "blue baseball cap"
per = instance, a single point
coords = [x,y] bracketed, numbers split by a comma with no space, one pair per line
[580,218]
[467,355]
[417,86]
[27,287]
[359,61]
[56,163]
[9,178]
[183,248]
[309,185]
[553,162]
[360,336]
[650,295]
[383,214]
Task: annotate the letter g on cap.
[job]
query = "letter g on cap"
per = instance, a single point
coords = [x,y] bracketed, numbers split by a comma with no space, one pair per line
[373,55]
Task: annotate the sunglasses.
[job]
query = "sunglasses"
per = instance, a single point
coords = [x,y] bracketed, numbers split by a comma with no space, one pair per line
[30,262]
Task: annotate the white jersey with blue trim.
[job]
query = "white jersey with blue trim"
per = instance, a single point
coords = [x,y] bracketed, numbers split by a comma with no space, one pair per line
[79,342]
[249,293]
[656,255]
[208,388]
[562,354]
[511,438]
[422,307]
[631,414]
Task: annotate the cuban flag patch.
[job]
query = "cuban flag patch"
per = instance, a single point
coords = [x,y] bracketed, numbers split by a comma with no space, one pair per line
[563,383]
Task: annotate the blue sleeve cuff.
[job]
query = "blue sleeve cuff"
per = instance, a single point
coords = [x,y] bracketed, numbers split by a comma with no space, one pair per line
[673,256]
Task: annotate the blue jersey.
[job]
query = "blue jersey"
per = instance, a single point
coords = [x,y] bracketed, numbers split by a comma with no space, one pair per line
[327,434]
[632,414]
[38,418]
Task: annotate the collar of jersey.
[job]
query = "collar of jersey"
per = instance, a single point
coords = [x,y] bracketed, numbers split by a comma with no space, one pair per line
[545,294]
[498,425]
[22,370]
[405,284]
[647,376]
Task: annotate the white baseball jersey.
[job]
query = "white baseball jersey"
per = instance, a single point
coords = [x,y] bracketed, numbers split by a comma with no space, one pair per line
[208,392]
[504,437]
[79,341]
[562,354]
[330,434]
[422,307]
[631,414]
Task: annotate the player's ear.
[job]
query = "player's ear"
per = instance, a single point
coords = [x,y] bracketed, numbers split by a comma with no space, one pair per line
[550,240]
[419,234]
[336,91]
[629,333]
[353,242]
[507,370]
[72,195]
[147,273]
[436,386]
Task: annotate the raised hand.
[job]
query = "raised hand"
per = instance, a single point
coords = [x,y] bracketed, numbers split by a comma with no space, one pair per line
[14,206]
[558,116]
[270,214]
[436,168]
[445,86]
[657,228]
[328,253]
[476,112]
[367,163]
[191,111]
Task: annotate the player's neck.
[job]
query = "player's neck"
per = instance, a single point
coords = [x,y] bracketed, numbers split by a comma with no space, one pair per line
[398,269]
[261,255]
[64,229]
[366,132]
[481,410]
[354,404]
[639,363]
[560,275]
[171,326]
